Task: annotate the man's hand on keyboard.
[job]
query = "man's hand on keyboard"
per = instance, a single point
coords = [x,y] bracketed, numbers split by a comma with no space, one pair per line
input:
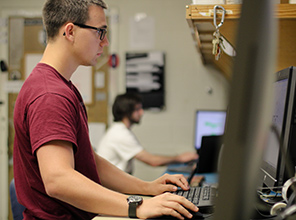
[166,204]
[167,183]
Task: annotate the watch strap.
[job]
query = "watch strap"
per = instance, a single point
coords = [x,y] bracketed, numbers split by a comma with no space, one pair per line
[132,210]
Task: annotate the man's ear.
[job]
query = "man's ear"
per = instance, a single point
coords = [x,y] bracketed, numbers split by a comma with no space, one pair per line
[69,31]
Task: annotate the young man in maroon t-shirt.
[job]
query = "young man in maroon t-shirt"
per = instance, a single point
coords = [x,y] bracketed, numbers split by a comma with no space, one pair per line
[57,173]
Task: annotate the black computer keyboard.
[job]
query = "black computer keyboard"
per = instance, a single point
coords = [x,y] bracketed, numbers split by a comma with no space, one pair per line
[203,197]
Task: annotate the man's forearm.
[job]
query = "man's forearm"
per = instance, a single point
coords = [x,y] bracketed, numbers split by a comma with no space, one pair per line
[87,195]
[110,176]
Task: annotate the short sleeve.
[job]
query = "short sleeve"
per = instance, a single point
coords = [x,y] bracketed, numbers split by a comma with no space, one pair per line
[51,117]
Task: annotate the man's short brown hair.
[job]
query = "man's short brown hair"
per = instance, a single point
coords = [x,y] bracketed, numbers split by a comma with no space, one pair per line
[58,12]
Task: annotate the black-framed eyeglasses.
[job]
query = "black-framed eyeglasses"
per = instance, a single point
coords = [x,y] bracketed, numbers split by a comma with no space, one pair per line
[101,31]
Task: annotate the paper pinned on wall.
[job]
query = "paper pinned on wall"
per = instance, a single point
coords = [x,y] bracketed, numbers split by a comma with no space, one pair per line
[100,96]
[13,86]
[82,79]
[96,132]
[3,33]
[100,80]
[31,60]
[142,31]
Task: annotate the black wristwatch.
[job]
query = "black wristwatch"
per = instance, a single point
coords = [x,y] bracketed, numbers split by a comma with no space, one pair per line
[133,203]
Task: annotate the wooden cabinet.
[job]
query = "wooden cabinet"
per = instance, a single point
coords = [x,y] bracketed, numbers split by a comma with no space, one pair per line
[200,20]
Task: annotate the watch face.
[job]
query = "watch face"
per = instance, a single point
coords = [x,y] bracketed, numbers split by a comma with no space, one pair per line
[135,199]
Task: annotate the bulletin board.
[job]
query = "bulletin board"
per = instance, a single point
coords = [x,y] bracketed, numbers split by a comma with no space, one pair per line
[145,75]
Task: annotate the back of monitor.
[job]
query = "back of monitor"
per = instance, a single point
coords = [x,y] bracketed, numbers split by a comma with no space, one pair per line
[249,110]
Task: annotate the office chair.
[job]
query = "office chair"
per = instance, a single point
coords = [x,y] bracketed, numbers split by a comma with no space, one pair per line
[16,207]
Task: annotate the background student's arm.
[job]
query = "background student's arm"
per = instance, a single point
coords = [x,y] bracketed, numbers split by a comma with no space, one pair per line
[159,160]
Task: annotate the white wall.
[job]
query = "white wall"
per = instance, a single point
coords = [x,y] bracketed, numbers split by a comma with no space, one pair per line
[187,79]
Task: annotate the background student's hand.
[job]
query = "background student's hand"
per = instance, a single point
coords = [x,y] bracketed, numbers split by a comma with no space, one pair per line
[186,157]
[166,204]
[167,183]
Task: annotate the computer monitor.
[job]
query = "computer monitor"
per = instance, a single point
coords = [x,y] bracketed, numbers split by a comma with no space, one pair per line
[209,154]
[279,155]
[249,110]
[208,122]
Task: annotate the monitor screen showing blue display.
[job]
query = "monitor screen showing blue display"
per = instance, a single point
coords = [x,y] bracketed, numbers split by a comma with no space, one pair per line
[207,123]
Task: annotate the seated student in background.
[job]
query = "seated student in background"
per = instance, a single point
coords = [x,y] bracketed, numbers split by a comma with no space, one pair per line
[120,146]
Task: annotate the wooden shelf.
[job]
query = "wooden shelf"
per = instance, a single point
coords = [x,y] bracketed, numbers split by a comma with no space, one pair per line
[200,21]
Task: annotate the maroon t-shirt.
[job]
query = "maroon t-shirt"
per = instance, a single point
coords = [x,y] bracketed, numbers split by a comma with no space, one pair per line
[49,108]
